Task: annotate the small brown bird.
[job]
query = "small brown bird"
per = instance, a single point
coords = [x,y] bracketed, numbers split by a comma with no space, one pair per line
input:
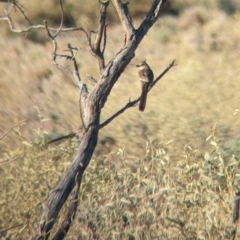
[146,77]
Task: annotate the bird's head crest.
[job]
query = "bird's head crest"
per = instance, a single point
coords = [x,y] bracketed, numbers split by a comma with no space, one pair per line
[142,63]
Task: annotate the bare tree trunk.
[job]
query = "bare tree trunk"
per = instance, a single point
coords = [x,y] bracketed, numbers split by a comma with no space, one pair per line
[72,177]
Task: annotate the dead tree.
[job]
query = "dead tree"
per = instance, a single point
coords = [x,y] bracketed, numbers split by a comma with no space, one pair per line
[91,102]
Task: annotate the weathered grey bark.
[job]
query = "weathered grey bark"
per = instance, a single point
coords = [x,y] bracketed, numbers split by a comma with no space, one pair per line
[92,103]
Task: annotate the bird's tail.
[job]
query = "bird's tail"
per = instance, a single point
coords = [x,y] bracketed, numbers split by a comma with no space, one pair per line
[143,98]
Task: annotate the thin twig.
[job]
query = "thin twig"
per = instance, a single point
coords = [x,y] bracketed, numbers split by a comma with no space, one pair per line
[10,161]
[123,14]
[17,5]
[104,39]
[79,83]
[98,38]
[7,229]
[128,105]
[91,79]
[151,17]
[100,35]
[53,37]
[62,20]
[12,128]
[172,64]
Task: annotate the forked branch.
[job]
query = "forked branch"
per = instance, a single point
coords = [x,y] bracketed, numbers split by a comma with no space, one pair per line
[125,18]
[101,35]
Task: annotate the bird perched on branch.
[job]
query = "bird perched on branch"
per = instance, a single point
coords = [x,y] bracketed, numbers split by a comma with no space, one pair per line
[146,77]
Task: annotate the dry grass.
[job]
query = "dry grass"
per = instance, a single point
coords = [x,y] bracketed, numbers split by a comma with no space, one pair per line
[124,197]
[138,185]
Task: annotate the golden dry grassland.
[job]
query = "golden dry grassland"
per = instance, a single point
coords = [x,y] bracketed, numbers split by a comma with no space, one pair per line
[168,173]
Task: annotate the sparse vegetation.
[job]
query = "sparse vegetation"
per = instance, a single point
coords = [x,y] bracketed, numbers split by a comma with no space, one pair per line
[140,185]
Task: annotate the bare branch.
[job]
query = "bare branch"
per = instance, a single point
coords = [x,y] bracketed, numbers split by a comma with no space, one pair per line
[47,29]
[172,64]
[104,39]
[24,120]
[151,18]
[5,230]
[75,73]
[26,30]
[10,161]
[95,49]
[54,45]
[92,80]
[19,7]
[53,37]
[62,19]
[125,18]
[128,105]
[82,87]
[76,133]
[39,26]
[69,136]
[103,14]
[80,84]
